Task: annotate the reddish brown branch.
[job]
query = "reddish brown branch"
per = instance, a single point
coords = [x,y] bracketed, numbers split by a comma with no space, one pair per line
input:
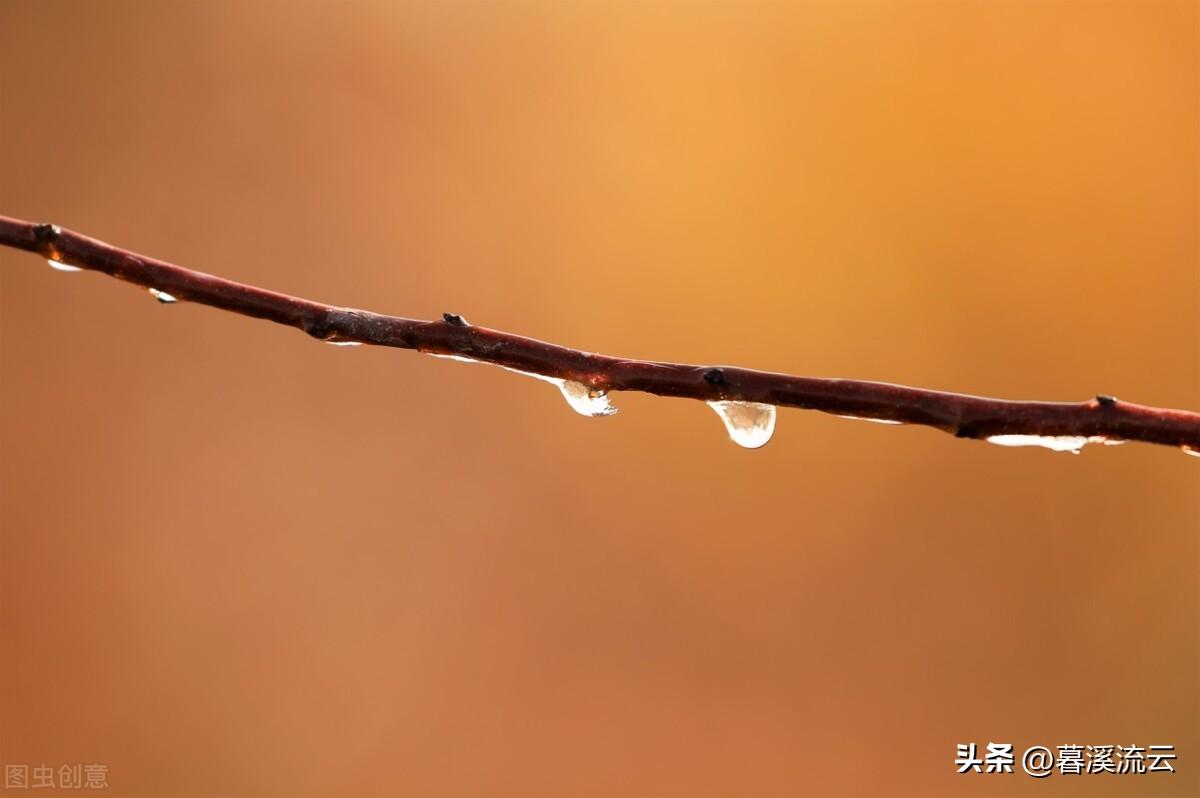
[965,416]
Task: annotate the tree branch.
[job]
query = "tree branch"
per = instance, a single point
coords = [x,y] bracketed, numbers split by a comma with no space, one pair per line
[1058,425]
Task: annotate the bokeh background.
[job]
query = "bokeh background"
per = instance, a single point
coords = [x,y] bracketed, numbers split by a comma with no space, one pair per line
[236,562]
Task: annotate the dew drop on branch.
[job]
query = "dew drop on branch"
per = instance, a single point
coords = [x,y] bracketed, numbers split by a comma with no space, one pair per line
[63,267]
[1193,451]
[459,358]
[344,343]
[162,296]
[584,400]
[750,424]
[1058,443]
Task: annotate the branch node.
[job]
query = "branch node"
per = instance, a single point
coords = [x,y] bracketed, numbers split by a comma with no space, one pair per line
[455,320]
[46,233]
[321,330]
[715,377]
[1104,400]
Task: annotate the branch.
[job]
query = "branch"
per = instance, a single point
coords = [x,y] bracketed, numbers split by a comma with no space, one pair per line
[744,398]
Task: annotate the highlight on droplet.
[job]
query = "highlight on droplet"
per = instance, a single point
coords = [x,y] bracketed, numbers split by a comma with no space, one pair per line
[1190,450]
[344,343]
[749,424]
[162,296]
[59,266]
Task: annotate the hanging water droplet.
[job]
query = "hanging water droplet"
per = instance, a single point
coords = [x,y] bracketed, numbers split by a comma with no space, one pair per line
[750,424]
[162,296]
[63,267]
[872,420]
[1193,451]
[584,400]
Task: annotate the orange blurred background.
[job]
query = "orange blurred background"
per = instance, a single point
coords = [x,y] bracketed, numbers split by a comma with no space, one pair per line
[235,562]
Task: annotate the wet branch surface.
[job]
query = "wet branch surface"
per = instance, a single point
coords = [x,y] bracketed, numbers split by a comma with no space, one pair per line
[1102,417]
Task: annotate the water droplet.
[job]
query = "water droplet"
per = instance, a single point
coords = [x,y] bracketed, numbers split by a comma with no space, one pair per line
[584,400]
[344,343]
[162,296]
[872,420]
[459,358]
[63,267]
[1058,443]
[750,424]
[1193,451]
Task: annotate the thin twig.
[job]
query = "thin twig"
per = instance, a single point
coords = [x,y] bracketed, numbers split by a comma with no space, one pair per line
[1100,418]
